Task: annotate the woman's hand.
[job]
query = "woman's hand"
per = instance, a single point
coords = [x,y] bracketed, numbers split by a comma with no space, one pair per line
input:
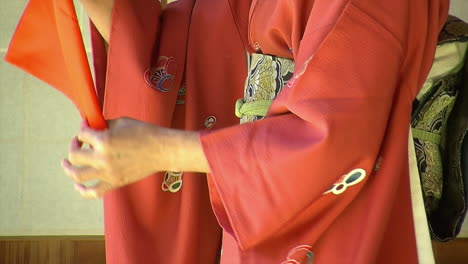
[127,152]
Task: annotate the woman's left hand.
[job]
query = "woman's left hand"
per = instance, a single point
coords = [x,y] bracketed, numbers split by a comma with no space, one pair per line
[127,152]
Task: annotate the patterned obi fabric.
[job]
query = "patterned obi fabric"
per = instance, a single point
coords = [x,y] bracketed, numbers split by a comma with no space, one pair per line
[429,125]
[267,75]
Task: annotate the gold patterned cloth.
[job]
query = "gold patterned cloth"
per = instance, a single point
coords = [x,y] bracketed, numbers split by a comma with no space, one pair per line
[429,124]
[267,75]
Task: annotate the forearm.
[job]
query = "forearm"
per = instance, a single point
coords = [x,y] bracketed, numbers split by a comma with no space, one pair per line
[182,149]
[128,151]
[100,12]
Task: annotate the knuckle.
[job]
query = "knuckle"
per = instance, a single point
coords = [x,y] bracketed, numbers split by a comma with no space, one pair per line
[72,157]
[73,174]
[103,162]
[99,194]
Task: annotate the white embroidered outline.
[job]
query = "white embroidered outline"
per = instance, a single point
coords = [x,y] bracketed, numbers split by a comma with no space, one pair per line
[309,254]
[344,185]
[299,73]
[170,180]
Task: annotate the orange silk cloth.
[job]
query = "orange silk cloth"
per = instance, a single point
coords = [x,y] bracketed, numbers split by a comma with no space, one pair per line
[48,45]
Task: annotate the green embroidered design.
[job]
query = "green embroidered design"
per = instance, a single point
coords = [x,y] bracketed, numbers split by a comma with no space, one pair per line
[258,108]
[429,123]
[172,182]
[181,94]
[266,78]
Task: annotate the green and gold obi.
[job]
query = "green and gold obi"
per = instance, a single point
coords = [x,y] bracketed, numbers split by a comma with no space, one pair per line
[267,75]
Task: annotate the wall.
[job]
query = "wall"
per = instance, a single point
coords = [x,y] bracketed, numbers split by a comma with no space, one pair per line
[459,8]
[36,125]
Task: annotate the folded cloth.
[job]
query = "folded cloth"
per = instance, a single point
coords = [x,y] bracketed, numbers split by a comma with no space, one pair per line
[48,44]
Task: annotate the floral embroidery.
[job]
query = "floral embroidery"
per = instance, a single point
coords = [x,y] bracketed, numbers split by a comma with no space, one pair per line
[161,77]
[300,255]
[172,182]
[350,179]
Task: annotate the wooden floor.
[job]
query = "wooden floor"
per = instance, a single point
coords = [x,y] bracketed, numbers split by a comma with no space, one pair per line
[52,250]
[90,250]
[454,252]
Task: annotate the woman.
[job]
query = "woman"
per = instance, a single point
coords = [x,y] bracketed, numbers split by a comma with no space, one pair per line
[323,178]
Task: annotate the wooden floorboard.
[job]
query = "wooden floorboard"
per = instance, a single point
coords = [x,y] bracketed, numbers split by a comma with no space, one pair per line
[91,250]
[453,252]
[52,250]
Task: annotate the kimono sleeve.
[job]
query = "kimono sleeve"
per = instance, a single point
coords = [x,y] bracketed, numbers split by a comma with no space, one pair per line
[325,126]
[123,70]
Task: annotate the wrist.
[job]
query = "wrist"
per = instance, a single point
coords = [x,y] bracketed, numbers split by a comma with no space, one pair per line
[179,150]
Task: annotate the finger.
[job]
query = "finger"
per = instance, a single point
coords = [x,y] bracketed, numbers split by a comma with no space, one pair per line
[81,157]
[85,124]
[75,144]
[79,174]
[94,192]
[90,136]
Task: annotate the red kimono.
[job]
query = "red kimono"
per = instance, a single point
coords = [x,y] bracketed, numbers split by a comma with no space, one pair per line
[323,178]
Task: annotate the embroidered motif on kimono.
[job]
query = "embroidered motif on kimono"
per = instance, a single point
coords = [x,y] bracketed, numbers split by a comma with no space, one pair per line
[172,181]
[161,76]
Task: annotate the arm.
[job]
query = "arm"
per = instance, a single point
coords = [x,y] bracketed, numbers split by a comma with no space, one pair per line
[100,12]
[129,151]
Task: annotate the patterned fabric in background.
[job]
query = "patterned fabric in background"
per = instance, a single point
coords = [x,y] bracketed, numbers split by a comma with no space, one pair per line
[429,124]
[440,122]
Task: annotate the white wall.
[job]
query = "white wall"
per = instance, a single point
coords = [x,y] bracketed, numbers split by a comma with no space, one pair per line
[459,8]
